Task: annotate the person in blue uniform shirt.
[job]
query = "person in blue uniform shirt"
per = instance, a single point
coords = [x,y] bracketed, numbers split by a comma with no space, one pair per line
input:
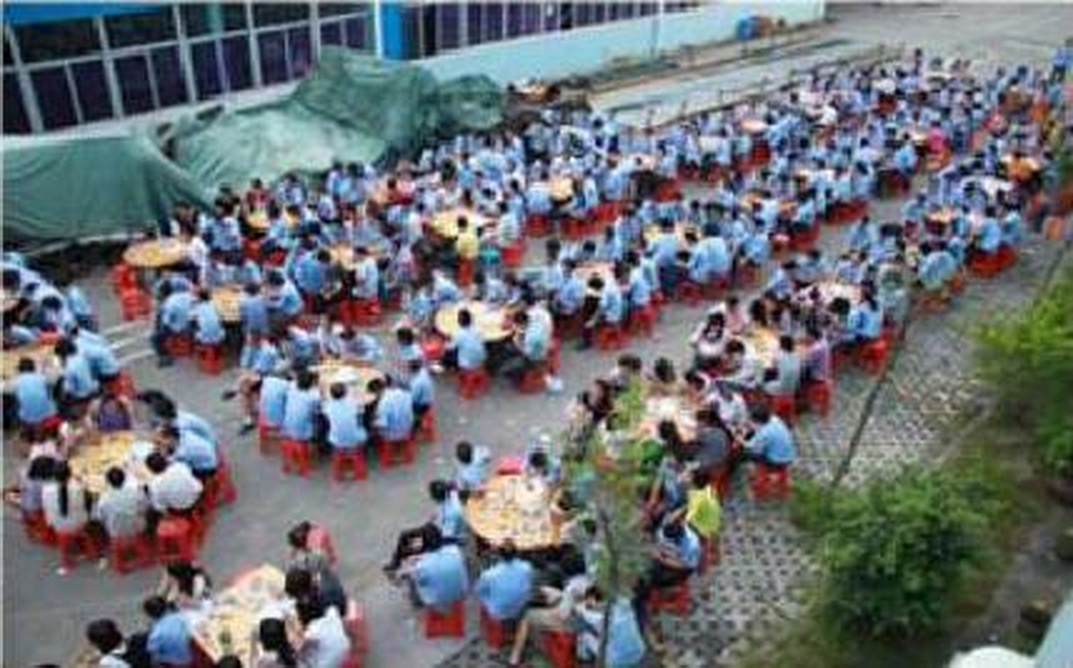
[504,588]
[170,639]
[472,467]
[78,383]
[439,577]
[190,448]
[610,308]
[466,350]
[366,275]
[173,318]
[446,524]
[570,295]
[394,418]
[421,387]
[33,397]
[283,298]
[345,429]
[772,442]
[209,328]
[300,408]
[272,402]
[675,557]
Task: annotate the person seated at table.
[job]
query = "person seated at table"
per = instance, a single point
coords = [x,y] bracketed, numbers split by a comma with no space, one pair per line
[629,369]
[209,328]
[530,345]
[116,651]
[318,584]
[743,369]
[274,648]
[625,643]
[816,361]
[553,608]
[65,502]
[185,584]
[569,295]
[772,442]
[447,523]
[110,412]
[989,238]
[173,488]
[472,468]
[366,275]
[864,323]
[667,492]
[170,638]
[610,309]
[422,389]
[784,377]
[937,267]
[438,576]
[301,406]
[708,341]
[121,507]
[504,588]
[663,381]
[394,415]
[190,448]
[173,318]
[358,346]
[675,557]
[466,350]
[35,406]
[283,299]
[346,433]
[78,385]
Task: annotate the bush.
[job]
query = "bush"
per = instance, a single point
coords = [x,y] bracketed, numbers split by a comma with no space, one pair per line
[1027,361]
[894,553]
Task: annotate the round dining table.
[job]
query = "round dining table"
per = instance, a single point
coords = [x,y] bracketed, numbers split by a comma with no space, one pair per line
[156,253]
[491,320]
[514,507]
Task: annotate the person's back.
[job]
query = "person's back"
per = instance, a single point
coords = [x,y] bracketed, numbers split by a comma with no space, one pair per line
[345,429]
[440,577]
[121,508]
[64,504]
[273,400]
[34,399]
[504,588]
[299,408]
[395,414]
[326,644]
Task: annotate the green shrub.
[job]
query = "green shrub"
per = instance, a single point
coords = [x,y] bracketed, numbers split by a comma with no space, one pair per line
[1027,361]
[894,553]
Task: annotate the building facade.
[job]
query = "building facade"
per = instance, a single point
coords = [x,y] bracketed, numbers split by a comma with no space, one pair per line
[67,65]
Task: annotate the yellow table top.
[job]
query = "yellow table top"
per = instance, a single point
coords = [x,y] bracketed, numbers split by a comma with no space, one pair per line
[680,409]
[236,612]
[764,343]
[445,223]
[514,507]
[155,254]
[258,220]
[832,290]
[754,126]
[91,461]
[653,232]
[492,321]
[42,355]
[355,375]
[561,188]
[343,254]
[604,270]
[226,299]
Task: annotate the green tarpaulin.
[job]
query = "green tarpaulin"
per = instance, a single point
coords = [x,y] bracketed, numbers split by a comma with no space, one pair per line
[350,108]
[82,188]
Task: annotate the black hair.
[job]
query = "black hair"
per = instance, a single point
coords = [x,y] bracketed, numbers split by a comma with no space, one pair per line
[104,635]
[272,633]
[115,477]
[464,452]
[438,490]
[156,607]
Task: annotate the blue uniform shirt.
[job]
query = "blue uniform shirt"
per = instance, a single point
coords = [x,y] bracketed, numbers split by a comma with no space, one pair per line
[33,398]
[253,312]
[187,421]
[299,409]
[210,329]
[78,379]
[422,389]
[169,640]
[470,347]
[440,577]
[273,401]
[504,589]
[395,414]
[774,442]
[196,452]
[345,429]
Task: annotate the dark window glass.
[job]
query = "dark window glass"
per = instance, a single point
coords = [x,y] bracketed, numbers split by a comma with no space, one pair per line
[566,15]
[91,85]
[234,16]
[357,30]
[628,10]
[331,33]
[551,17]
[599,12]
[429,29]
[514,20]
[337,8]
[206,70]
[54,98]
[9,59]
[273,57]
[474,19]
[16,121]
[270,14]
[146,28]
[170,85]
[195,19]
[301,51]
[133,74]
[237,62]
[493,21]
[411,21]
[52,41]
[583,14]
[648,8]
[531,19]
[449,26]
[212,18]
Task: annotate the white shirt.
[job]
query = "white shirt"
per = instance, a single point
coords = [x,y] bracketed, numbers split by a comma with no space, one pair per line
[326,644]
[76,516]
[122,511]
[174,489]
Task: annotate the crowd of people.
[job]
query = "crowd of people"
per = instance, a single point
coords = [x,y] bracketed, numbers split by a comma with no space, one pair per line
[973,152]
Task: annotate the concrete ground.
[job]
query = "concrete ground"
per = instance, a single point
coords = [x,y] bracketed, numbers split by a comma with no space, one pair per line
[45,614]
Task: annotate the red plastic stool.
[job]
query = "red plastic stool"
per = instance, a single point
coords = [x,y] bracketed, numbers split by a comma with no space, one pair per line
[176,540]
[210,358]
[538,225]
[267,436]
[555,356]
[819,395]
[670,599]
[179,345]
[770,483]
[220,490]
[611,337]
[689,292]
[643,320]
[510,465]
[352,461]
[532,380]
[126,554]
[356,628]
[449,624]
[296,457]
[123,278]
[466,271]
[560,648]
[872,356]
[432,348]
[37,529]
[473,383]
[135,304]
[710,554]
[785,406]
[426,428]
[75,546]
[366,312]
[513,253]
[496,634]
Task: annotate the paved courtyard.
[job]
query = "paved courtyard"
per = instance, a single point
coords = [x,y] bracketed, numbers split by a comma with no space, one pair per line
[762,564]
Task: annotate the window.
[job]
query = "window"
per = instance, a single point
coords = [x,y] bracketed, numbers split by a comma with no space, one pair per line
[337,8]
[448,26]
[146,28]
[331,33]
[134,86]
[429,30]
[9,59]
[531,18]
[54,98]
[234,16]
[16,121]
[170,84]
[566,15]
[493,22]
[203,19]
[206,69]
[273,57]
[583,12]
[628,10]
[474,19]
[599,12]
[648,8]
[301,51]
[357,35]
[551,17]
[91,87]
[237,63]
[270,14]
[54,41]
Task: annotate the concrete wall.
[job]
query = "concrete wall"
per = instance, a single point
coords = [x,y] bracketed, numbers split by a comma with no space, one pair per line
[588,49]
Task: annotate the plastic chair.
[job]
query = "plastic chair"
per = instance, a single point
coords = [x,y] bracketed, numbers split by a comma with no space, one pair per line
[643,320]
[510,465]
[179,345]
[356,629]
[176,540]
[130,553]
[466,271]
[210,358]
[532,380]
[426,428]
[611,337]
[135,304]
[220,489]
[448,624]
[818,395]
[537,225]
[689,292]
[352,461]
[267,437]
[769,482]
[674,599]
[872,356]
[366,312]
[560,648]
[123,277]
[496,634]
[296,457]
[37,529]
[432,348]
[392,453]
[513,253]
[785,406]
[473,383]
[75,546]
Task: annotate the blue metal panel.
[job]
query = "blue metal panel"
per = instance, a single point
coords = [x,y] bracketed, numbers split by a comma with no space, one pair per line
[18,13]
[393,30]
